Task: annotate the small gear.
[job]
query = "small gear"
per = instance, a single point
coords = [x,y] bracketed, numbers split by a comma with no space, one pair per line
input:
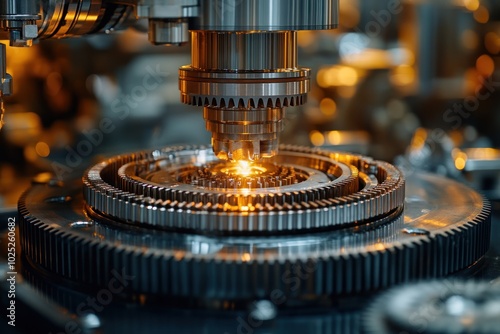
[444,307]
[223,89]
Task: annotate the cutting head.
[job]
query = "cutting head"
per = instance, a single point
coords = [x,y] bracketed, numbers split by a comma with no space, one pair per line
[244,70]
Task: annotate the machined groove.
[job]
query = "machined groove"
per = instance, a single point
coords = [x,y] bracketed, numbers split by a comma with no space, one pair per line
[338,263]
[331,196]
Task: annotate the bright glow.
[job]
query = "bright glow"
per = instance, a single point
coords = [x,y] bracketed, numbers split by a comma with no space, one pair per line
[306,38]
[402,56]
[470,80]
[484,153]
[244,168]
[320,78]
[337,76]
[460,160]
[246,257]
[347,76]
[328,107]
[179,254]
[317,138]
[460,163]
[42,149]
[419,138]
[471,5]
[403,75]
[349,13]
[492,42]
[485,65]
[482,15]
[334,137]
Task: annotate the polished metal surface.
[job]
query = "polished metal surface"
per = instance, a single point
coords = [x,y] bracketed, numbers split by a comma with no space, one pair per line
[241,73]
[244,53]
[231,93]
[73,18]
[168,20]
[272,89]
[267,15]
[244,133]
[444,228]
[168,32]
[156,188]
[244,56]
[251,51]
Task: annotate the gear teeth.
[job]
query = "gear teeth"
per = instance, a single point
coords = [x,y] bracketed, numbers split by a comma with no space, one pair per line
[244,102]
[174,272]
[192,266]
[110,188]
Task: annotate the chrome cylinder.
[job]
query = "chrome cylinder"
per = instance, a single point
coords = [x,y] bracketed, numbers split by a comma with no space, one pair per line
[168,32]
[245,68]
[168,19]
[72,18]
[237,51]
[267,15]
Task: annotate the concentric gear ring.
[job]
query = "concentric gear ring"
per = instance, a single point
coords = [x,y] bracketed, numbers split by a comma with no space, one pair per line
[334,194]
[446,228]
[436,307]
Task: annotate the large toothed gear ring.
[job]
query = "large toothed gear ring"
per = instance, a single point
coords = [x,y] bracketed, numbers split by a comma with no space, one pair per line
[189,189]
[323,225]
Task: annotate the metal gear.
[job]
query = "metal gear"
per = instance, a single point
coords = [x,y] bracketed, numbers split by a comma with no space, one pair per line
[286,88]
[445,228]
[444,307]
[155,188]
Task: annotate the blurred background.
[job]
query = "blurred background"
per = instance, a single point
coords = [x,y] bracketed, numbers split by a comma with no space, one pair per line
[415,83]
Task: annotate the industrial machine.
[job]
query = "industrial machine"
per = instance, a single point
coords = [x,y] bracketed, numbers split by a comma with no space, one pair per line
[245,235]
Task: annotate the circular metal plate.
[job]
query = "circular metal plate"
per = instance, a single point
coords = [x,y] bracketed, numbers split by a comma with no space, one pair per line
[445,229]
